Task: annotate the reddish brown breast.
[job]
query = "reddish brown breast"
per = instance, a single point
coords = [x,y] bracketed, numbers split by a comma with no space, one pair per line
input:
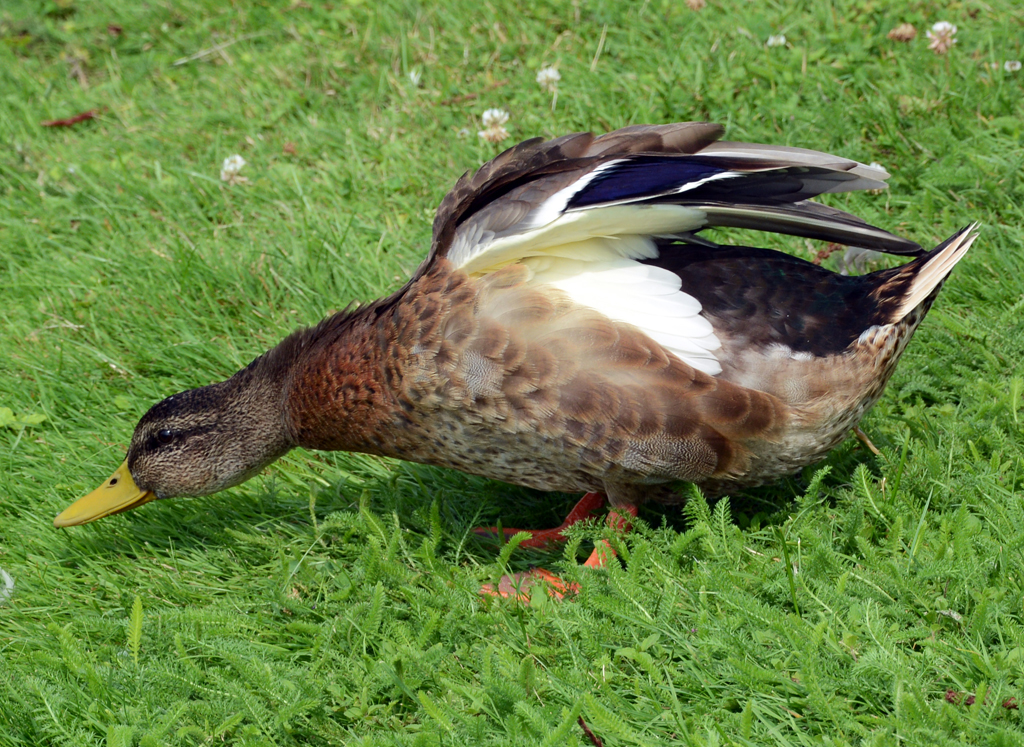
[337,399]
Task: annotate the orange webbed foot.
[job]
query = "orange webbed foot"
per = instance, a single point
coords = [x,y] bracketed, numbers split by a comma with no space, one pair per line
[519,585]
[541,538]
[603,552]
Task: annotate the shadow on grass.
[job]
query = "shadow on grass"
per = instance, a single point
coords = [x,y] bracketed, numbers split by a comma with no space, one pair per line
[408,491]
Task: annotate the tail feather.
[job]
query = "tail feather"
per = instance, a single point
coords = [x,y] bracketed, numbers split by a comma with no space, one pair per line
[934,268]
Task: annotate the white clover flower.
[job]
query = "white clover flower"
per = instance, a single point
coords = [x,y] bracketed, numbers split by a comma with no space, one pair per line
[1011,66]
[548,77]
[494,118]
[494,130]
[415,76]
[776,40]
[943,37]
[230,168]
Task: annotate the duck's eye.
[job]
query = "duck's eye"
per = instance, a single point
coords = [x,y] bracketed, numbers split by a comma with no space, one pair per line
[165,436]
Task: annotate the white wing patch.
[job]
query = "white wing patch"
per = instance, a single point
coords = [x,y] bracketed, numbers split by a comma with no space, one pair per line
[590,255]
[645,296]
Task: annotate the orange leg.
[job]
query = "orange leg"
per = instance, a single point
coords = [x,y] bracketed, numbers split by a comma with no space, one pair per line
[603,551]
[519,585]
[584,509]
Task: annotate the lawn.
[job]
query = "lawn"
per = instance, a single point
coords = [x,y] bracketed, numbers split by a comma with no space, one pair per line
[334,599]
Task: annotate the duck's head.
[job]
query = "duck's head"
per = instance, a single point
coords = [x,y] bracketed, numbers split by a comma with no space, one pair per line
[193,443]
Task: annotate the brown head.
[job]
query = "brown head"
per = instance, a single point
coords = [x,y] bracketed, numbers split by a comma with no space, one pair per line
[195,443]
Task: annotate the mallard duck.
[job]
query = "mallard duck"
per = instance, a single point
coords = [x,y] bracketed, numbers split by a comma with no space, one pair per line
[570,330]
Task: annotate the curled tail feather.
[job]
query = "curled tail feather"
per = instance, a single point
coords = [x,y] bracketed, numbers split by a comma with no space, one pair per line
[933,268]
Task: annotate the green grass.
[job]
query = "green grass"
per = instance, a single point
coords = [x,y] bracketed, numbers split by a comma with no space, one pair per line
[334,599]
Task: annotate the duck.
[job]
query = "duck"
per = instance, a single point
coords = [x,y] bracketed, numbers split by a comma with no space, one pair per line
[573,330]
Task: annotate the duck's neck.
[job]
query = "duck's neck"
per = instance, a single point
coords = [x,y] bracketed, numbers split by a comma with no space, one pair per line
[336,396]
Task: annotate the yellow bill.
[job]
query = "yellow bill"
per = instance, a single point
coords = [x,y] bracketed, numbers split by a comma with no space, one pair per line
[118,493]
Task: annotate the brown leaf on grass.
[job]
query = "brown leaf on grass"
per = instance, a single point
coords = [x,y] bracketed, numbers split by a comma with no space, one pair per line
[903,33]
[956,698]
[825,253]
[69,121]
[594,739]
[115,29]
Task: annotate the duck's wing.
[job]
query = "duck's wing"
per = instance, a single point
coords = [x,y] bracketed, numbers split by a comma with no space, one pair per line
[666,179]
[583,212]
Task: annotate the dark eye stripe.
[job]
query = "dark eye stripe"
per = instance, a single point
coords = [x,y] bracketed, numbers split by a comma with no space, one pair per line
[158,439]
